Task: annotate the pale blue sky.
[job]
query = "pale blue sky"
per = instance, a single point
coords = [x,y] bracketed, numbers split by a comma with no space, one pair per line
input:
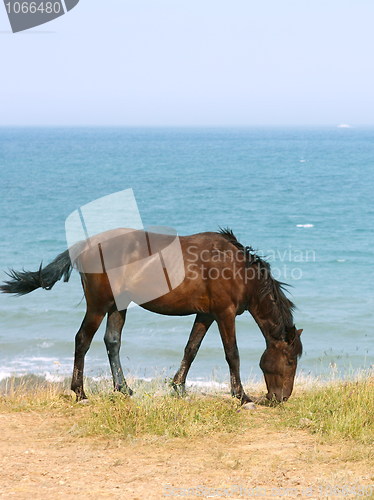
[192,62]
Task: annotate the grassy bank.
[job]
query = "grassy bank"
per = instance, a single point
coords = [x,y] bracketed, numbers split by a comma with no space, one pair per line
[336,411]
[340,410]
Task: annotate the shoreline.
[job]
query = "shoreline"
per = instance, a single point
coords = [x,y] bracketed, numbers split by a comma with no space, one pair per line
[302,380]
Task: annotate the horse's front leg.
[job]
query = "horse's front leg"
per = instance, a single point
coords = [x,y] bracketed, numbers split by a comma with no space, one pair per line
[112,339]
[226,325]
[199,329]
[83,339]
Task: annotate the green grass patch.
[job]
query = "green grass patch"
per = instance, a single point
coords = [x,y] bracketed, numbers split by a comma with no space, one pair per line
[340,410]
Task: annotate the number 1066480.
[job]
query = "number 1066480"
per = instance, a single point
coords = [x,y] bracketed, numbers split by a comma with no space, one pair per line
[33,7]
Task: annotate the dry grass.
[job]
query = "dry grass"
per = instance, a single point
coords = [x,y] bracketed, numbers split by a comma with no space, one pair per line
[161,416]
[340,410]
[154,410]
[343,410]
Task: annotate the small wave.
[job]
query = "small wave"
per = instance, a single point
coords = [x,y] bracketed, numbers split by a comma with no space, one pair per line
[209,384]
[304,225]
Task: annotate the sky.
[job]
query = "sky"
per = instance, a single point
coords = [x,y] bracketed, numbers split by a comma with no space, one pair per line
[192,63]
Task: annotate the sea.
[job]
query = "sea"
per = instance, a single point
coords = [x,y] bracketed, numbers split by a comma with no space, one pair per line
[302,197]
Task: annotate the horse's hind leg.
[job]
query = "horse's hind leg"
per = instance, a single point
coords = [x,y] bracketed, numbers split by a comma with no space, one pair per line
[199,329]
[83,339]
[112,339]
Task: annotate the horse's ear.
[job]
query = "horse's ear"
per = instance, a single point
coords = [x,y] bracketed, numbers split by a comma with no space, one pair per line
[299,332]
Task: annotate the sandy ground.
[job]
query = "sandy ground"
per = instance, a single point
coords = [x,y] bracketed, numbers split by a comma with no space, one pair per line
[42,458]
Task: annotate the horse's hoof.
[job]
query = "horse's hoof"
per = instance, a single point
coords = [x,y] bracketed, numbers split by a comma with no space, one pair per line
[244,399]
[124,389]
[179,389]
[80,397]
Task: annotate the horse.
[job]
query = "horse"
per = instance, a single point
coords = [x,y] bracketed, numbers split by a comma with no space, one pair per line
[221,279]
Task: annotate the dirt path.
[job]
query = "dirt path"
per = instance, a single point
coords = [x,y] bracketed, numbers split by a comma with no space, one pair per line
[41,459]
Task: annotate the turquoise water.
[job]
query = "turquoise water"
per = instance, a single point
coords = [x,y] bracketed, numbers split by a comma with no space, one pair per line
[303,197]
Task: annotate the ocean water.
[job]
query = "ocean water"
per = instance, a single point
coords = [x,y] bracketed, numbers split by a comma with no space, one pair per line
[302,197]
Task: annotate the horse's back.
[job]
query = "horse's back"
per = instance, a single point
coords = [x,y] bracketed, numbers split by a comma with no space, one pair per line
[162,272]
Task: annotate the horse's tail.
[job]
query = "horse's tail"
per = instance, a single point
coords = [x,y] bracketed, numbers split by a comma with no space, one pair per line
[26,281]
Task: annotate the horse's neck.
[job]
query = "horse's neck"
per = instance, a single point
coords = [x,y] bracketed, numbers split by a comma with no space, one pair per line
[265,312]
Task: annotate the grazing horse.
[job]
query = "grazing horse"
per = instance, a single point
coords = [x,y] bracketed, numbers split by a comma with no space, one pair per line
[221,279]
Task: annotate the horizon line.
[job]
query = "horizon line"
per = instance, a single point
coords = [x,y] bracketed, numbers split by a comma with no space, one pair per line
[259,125]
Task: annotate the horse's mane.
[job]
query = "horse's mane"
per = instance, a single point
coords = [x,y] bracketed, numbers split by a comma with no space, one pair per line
[270,285]
[227,233]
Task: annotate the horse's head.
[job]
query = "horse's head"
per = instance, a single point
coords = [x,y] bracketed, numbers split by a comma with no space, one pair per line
[279,362]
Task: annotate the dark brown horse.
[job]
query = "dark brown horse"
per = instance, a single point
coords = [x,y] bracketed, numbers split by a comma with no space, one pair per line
[221,279]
